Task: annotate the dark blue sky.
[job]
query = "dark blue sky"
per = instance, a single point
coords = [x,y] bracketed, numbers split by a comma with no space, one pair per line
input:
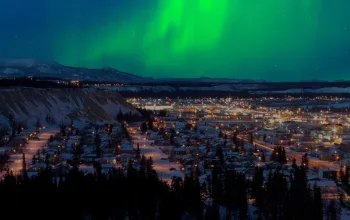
[274,40]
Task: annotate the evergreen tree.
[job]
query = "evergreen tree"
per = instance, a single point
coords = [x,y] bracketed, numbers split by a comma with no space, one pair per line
[251,139]
[138,152]
[220,154]
[13,126]
[117,150]
[51,138]
[119,116]
[143,163]
[47,161]
[283,158]
[47,119]
[19,128]
[220,135]
[38,124]
[275,154]
[98,145]
[34,160]
[333,211]
[294,163]
[341,174]
[172,136]
[143,127]
[345,177]
[234,138]
[257,185]
[305,162]
[63,130]
[263,157]
[11,118]
[192,197]
[212,213]
[38,153]
[216,186]
[150,124]
[317,204]
[24,164]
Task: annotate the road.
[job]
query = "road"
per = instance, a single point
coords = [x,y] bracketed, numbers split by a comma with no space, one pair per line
[161,166]
[315,162]
[30,149]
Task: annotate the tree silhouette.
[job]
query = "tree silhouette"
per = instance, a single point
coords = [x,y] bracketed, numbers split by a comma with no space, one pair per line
[305,162]
[34,160]
[138,152]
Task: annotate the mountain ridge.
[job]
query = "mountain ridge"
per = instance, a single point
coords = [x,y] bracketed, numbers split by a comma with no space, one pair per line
[42,68]
[39,68]
[12,68]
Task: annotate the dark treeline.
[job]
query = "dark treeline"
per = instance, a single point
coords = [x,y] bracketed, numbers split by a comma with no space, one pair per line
[143,114]
[184,94]
[276,199]
[71,195]
[267,85]
[48,82]
[140,194]
[34,82]
[215,94]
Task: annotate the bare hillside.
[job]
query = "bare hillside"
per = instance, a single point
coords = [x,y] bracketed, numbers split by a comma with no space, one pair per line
[30,104]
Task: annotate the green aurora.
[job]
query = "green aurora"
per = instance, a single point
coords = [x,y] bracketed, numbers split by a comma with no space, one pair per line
[253,39]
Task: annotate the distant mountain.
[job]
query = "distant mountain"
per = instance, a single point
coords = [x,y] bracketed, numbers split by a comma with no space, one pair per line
[38,68]
[209,80]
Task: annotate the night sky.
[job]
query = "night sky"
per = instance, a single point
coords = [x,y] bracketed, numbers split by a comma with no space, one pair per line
[274,40]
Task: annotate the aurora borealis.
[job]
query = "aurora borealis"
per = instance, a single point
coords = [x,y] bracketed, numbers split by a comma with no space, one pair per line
[275,40]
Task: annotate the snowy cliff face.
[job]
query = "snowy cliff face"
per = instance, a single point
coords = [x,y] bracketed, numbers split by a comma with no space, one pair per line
[27,105]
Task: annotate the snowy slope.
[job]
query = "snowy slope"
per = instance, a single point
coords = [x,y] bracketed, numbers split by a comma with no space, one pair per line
[27,105]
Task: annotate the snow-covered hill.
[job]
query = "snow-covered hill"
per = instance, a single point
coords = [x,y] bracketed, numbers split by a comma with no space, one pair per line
[27,105]
[31,67]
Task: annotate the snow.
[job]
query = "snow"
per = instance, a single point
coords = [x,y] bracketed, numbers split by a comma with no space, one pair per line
[161,166]
[30,149]
[11,71]
[32,104]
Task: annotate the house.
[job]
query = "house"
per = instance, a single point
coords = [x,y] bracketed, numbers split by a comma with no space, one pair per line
[328,174]
[6,138]
[179,151]
[5,150]
[17,141]
[272,164]
[55,144]
[126,148]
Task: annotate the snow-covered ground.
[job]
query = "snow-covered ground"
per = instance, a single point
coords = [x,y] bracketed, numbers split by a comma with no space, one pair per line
[30,149]
[33,104]
[161,162]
